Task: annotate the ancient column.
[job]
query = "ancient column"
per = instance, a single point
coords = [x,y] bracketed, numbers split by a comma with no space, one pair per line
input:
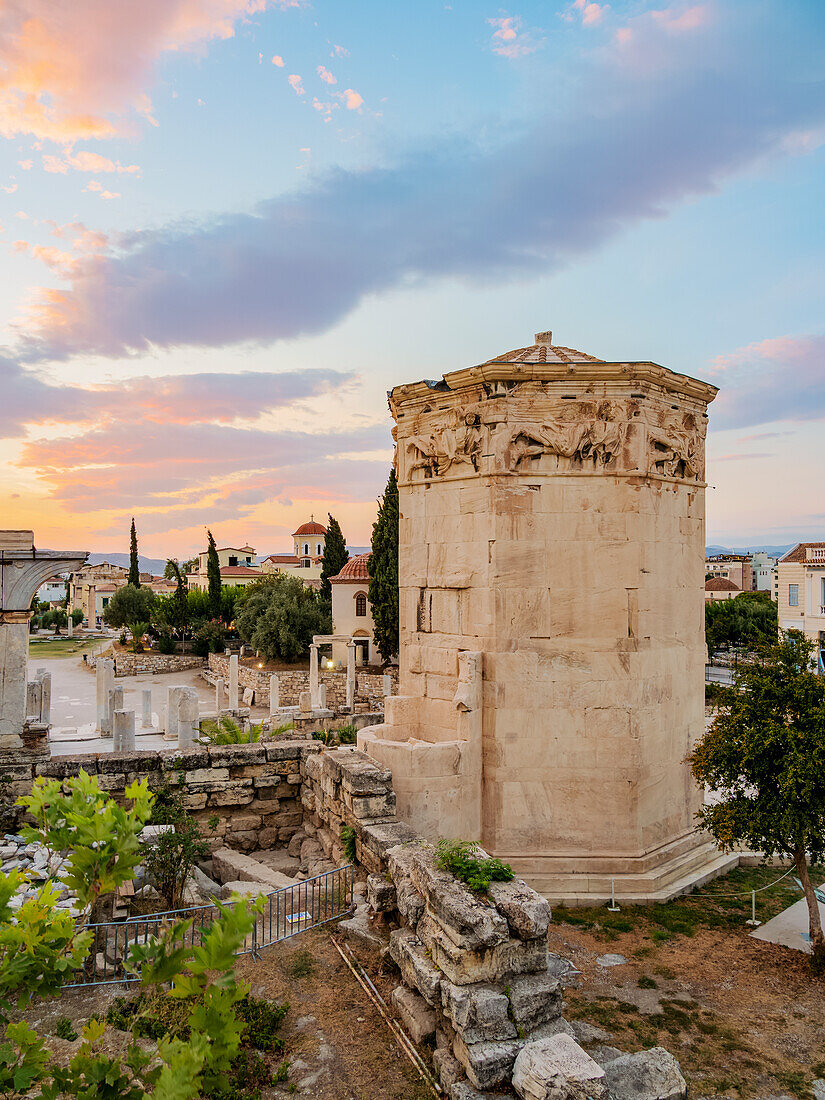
[386,684]
[172,698]
[274,694]
[313,675]
[105,682]
[123,725]
[91,607]
[219,698]
[233,682]
[188,723]
[45,679]
[146,717]
[305,703]
[322,696]
[351,675]
[69,624]
[551,520]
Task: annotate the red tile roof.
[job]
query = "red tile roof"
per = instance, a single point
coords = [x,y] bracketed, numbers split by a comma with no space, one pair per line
[799,552]
[283,559]
[721,584]
[354,571]
[239,571]
[311,528]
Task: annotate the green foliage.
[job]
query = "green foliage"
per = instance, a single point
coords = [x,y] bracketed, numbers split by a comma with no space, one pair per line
[167,644]
[748,621]
[134,567]
[213,575]
[302,964]
[226,731]
[383,568]
[335,557]
[55,617]
[278,615]
[64,1029]
[348,838]
[23,1059]
[348,734]
[129,605]
[764,760]
[137,630]
[211,638]
[170,859]
[462,858]
[77,617]
[100,836]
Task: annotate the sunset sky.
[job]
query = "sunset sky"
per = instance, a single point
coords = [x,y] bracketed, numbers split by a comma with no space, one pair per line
[229,226]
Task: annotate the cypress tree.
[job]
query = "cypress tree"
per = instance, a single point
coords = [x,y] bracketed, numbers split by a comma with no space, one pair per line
[335,557]
[134,568]
[213,576]
[383,567]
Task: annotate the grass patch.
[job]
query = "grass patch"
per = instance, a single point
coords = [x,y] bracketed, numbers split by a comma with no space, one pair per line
[61,647]
[302,964]
[64,1029]
[647,983]
[707,908]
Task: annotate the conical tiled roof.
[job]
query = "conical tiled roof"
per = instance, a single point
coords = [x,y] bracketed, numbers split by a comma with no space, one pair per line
[544,351]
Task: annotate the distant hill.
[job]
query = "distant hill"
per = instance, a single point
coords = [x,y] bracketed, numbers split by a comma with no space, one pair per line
[146,565]
[775,551]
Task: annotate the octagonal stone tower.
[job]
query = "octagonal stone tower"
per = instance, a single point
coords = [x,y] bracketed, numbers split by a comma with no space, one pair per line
[551,559]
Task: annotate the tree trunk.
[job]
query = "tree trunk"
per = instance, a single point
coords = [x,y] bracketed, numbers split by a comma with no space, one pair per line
[814,919]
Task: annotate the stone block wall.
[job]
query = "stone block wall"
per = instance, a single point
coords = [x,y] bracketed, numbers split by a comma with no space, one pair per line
[253,790]
[133,664]
[369,690]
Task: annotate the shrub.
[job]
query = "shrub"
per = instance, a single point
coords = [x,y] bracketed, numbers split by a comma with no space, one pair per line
[64,1029]
[463,859]
[279,615]
[226,731]
[347,735]
[171,857]
[348,839]
[166,644]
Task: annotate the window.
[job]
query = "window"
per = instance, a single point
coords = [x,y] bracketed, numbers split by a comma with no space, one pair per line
[233,560]
[360,605]
[318,549]
[105,601]
[306,547]
[793,595]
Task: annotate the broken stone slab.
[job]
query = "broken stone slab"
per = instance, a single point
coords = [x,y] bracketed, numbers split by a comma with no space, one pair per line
[648,1075]
[478,1012]
[416,1015]
[358,925]
[488,964]
[380,894]
[232,866]
[448,1068]
[559,1026]
[526,911]
[245,889]
[588,1033]
[487,1064]
[558,1069]
[611,959]
[356,772]
[417,969]
[378,838]
[409,903]
[464,917]
[277,860]
[603,1054]
[463,1090]
[563,969]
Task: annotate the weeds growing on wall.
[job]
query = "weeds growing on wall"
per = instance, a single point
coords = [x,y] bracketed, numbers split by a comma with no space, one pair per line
[464,859]
[226,731]
[348,840]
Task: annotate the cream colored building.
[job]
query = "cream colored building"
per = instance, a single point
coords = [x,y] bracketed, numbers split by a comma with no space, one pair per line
[237,563]
[720,588]
[800,593]
[305,562]
[551,560]
[352,613]
[86,583]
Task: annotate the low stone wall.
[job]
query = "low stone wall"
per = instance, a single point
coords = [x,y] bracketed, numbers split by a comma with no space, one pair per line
[369,686]
[133,664]
[253,790]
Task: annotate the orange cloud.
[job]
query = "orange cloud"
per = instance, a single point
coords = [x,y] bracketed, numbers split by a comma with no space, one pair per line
[97,186]
[509,39]
[326,75]
[296,84]
[278,60]
[352,99]
[70,78]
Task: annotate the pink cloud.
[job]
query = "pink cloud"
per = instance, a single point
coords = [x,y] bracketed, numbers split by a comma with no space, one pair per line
[509,39]
[678,19]
[25,164]
[85,161]
[352,99]
[591,13]
[278,60]
[754,382]
[339,51]
[97,186]
[326,75]
[296,84]
[70,78]
[52,163]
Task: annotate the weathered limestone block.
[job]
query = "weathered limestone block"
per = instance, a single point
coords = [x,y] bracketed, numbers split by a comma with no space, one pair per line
[417,969]
[380,894]
[535,1000]
[448,1068]
[527,912]
[293,750]
[648,1075]
[231,866]
[225,755]
[463,1090]
[478,1012]
[373,806]
[410,904]
[487,964]
[416,1015]
[459,913]
[558,1069]
[378,838]
[191,760]
[486,1064]
[206,775]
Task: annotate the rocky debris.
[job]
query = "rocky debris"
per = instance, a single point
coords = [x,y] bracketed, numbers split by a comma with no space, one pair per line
[478,1012]
[563,969]
[358,925]
[527,913]
[205,884]
[448,1068]
[278,859]
[603,1054]
[461,1090]
[487,1064]
[558,1069]
[588,1033]
[232,866]
[416,1015]
[648,1075]
[39,866]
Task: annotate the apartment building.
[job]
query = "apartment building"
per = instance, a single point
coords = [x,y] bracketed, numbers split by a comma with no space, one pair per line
[800,593]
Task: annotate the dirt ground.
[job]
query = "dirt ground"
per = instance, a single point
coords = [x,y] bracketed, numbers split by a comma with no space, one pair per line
[744,1018]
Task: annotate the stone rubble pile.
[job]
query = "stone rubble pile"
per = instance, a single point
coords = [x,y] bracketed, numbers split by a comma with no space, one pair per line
[34,861]
[477,978]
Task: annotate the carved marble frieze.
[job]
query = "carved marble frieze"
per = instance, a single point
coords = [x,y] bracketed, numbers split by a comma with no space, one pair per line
[519,434]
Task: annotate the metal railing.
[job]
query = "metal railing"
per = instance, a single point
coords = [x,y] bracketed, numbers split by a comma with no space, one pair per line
[287,912]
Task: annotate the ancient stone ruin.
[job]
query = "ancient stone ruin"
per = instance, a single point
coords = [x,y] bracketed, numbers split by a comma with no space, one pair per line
[551,554]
